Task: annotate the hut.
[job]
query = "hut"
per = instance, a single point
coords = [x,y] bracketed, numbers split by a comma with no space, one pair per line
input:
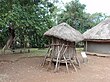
[62,48]
[97,39]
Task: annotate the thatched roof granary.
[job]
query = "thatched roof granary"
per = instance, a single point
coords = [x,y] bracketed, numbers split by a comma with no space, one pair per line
[63,38]
[65,32]
[98,38]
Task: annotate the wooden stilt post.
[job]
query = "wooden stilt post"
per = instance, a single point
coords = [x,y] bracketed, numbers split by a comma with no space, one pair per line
[45,57]
[86,46]
[65,62]
[58,57]
[65,57]
[73,65]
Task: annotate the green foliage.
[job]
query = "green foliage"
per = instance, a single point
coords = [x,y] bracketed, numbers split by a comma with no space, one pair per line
[74,14]
[31,19]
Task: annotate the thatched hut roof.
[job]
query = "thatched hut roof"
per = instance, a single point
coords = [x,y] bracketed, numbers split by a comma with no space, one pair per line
[99,32]
[65,32]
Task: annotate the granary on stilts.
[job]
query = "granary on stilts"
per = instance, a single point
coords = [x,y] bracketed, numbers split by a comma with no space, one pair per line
[97,39]
[62,48]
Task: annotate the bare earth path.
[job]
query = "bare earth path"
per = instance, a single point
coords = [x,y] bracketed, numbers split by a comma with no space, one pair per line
[14,69]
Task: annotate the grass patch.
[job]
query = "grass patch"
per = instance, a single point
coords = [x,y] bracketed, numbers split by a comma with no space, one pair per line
[79,49]
[38,52]
[34,52]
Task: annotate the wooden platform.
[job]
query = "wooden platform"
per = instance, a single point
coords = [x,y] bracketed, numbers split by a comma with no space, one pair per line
[61,61]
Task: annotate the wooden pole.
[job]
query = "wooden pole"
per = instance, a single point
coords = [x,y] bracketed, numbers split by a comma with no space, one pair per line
[45,57]
[58,56]
[73,65]
[66,62]
[86,46]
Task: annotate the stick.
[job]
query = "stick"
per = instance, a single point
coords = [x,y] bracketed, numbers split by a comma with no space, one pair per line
[56,66]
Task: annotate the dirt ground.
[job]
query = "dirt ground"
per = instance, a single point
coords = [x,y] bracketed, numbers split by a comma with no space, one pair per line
[15,68]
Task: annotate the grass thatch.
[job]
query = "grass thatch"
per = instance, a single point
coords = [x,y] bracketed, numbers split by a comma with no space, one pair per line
[99,32]
[65,32]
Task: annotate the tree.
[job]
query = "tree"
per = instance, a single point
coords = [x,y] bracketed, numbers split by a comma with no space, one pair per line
[30,17]
[74,14]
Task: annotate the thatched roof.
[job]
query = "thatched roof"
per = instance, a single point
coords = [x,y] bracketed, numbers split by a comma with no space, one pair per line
[99,32]
[65,32]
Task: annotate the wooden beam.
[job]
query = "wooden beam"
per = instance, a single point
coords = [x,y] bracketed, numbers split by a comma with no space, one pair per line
[45,57]
[86,46]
